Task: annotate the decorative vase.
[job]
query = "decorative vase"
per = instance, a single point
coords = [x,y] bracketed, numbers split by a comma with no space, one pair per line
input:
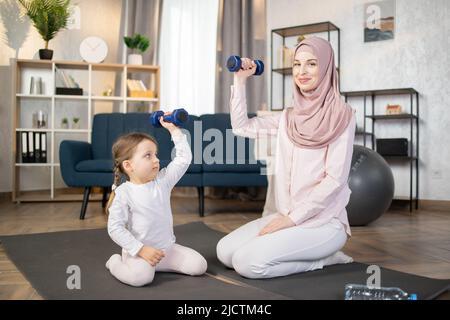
[45,54]
[40,119]
[135,59]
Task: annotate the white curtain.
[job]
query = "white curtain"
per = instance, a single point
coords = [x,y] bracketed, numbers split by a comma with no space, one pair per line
[187,55]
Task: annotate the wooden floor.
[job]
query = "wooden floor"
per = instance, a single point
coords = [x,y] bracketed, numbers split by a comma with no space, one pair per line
[417,243]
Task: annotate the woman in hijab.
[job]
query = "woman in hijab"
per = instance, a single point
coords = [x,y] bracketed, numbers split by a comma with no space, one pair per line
[314,151]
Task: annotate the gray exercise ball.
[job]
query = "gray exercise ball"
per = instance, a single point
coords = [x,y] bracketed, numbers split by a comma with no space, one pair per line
[372,185]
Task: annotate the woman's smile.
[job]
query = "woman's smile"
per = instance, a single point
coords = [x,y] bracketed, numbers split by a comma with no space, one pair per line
[304,80]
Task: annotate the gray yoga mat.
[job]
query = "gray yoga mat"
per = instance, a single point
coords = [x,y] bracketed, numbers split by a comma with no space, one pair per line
[44,258]
[325,284]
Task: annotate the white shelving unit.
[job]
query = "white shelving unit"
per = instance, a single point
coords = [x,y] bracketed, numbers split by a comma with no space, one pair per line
[92,78]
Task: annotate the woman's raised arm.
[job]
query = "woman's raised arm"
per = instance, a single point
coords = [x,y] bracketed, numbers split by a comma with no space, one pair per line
[250,127]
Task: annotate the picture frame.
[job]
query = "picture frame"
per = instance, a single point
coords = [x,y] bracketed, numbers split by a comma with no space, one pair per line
[379,20]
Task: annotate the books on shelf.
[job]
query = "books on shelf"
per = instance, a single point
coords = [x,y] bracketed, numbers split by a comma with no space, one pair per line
[136,85]
[66,84]
[32,147]
[137,88]
[65,80]
[285,57]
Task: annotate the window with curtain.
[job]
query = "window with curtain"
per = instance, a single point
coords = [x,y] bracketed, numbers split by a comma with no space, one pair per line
[187,55]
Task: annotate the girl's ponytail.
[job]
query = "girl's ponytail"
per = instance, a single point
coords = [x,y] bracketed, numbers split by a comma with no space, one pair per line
[117,180]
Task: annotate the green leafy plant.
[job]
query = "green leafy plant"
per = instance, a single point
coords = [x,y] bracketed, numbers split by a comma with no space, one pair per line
[65,121]
[48,16]
[75,120]
[137,41]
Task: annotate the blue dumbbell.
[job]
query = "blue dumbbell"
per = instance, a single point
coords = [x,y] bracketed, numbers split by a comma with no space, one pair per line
[178,117]
[234,64]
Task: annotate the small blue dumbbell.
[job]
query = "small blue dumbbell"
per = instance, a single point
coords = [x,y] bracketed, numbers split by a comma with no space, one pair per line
[234,64]
[178,117]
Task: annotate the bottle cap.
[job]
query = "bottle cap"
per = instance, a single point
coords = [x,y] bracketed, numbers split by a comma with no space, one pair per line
[413,296]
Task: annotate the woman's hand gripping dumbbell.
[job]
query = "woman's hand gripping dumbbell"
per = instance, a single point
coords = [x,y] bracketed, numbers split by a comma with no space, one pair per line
[244,67]
[177,117]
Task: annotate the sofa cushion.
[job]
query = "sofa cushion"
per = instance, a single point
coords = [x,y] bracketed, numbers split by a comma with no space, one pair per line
[100,165]
[235,153]
[244,168]
[193,168]
[233,179]
[190,180]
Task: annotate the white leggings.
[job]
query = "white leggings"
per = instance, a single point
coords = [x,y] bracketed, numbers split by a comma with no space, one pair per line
[292,250]
[137,272]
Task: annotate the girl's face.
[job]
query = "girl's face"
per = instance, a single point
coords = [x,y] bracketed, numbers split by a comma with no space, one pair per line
[306,71]
[144,165]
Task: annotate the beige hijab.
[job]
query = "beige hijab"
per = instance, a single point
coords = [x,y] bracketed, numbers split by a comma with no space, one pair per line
[320,116]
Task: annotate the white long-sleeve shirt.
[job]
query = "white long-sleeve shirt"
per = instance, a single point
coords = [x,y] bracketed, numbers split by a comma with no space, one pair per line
[140,214]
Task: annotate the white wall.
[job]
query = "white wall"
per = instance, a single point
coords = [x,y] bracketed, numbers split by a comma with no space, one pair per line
[20,39]
[417,57]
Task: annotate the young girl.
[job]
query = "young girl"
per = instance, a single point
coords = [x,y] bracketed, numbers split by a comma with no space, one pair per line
[140,217]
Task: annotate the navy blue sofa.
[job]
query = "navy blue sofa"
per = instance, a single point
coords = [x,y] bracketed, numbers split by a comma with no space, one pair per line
[88,165]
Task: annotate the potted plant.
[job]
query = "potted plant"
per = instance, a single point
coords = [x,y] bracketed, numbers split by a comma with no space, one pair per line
[136,42]
[65,123]
[48,17]
[76,124]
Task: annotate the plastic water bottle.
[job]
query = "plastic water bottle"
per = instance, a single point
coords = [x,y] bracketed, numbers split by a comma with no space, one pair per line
[363,292]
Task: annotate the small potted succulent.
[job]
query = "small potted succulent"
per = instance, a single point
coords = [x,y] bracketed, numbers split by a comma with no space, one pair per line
[136,42]
[76,123]
[65,123]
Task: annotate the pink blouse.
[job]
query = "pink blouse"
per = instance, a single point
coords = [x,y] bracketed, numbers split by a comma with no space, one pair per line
[310,185]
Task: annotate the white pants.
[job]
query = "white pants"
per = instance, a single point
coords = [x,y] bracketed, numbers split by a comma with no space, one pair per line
[292,250]
[137,272]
